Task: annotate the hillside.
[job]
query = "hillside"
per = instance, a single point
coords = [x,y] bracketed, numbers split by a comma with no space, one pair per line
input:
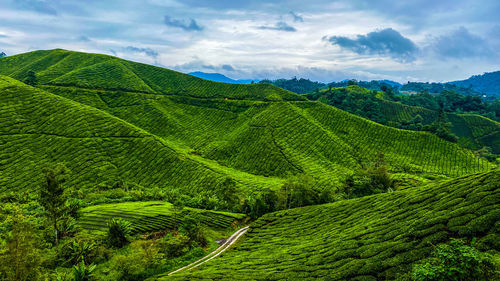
[39,128]
[371,238]
[474,131]
[488,83]
[113,121]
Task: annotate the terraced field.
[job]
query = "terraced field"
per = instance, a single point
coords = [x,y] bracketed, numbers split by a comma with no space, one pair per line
[479,130]
[151,216]
[370,238]
[113,120]
[39,128]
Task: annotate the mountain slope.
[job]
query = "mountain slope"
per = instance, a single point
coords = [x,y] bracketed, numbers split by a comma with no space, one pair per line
[370,238]
[39,128]
[257,134]
[488,83]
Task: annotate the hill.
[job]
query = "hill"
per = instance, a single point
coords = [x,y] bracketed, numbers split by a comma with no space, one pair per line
[488,83]
[474,131]
[436,88]
[370,238]
[217,77]
[114,121]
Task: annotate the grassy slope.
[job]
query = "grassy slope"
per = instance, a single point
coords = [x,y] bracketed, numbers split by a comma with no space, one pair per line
[257,134]
[369,238]
[151,216]
[39,128]
[479,130]
[474,131]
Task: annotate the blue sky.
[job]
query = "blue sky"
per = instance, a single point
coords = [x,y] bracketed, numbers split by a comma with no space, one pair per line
[420,40]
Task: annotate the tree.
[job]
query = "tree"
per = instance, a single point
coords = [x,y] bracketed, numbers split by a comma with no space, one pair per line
[192,227]
[20,258]
[31,79]
[118,232]
[52,196]
[455,261]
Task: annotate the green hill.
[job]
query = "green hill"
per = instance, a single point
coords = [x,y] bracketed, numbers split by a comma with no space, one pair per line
[151,216]
[113,121]
[474,131]
[39,128]
[370,238]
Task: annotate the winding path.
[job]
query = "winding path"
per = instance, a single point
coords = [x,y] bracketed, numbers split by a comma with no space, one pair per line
[222,248]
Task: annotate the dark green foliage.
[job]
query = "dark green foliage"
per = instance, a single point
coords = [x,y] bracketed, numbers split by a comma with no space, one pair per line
[83,272]
[375,237]
[192,227]
[455,261]
[20,254]
[31,78]
[52,196]
[299,86]
[118,232]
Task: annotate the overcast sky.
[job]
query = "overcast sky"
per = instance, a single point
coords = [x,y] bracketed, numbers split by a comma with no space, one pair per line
[419,40]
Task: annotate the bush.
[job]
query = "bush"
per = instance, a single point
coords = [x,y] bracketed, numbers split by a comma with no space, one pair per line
[455,261]
[118,232]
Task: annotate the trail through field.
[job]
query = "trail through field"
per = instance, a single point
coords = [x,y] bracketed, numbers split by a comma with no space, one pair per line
[222,248]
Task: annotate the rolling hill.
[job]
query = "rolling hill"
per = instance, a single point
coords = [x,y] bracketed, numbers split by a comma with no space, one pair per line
[488,83]
[371,238]
[474,131]
[113,120]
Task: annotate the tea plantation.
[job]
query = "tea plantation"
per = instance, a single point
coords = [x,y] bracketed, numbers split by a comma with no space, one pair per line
[371,238]
[151,216]
[152,127]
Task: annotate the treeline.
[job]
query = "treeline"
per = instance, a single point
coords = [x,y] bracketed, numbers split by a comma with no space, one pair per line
[437,88]
[299,86]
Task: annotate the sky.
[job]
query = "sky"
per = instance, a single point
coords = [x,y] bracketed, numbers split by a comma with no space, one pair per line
[419,40]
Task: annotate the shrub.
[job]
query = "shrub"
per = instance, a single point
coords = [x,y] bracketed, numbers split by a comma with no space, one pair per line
[455,261]
[118,232]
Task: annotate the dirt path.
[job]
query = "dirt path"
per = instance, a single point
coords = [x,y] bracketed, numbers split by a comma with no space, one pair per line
[230,241]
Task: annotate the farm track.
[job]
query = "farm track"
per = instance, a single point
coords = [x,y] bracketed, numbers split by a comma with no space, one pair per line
[230,241]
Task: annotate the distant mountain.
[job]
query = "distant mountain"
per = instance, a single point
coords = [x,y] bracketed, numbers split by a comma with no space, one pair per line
[488,83]
[2,54]
[437,88]
[217,77]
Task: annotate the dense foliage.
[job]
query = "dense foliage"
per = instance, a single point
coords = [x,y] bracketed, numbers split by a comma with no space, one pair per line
[115,170]
[375,237]
[299,86]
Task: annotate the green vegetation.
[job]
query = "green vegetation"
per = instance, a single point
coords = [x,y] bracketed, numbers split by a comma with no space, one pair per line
[422,114]
[150,216]
[116,170]
[184,133]
[375,237]
[455,261]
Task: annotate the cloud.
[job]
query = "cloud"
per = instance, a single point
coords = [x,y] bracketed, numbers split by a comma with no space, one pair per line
[83,39]
[383,42]
[296,17]
[227,67]
[279,26]
[40,6]
[460,43]
[147,51]
[191,26]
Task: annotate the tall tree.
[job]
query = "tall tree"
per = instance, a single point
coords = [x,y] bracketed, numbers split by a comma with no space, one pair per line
[52,196]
